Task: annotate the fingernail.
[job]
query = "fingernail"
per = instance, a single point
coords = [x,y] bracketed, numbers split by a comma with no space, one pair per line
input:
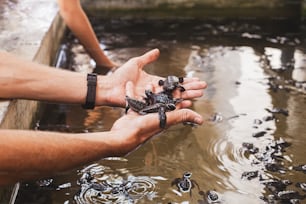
[198,120]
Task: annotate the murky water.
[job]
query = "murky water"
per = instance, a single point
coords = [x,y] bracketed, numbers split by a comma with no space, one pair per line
[254,136]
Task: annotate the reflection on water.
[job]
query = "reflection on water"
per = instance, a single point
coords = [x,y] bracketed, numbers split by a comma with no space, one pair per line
[251,148]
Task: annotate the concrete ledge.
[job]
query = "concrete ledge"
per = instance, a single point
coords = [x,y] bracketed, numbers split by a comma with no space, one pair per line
[200,9]
[42,48]
[20,113]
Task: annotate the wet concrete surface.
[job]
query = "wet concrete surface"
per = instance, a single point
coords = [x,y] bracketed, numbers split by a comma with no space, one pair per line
[24,24]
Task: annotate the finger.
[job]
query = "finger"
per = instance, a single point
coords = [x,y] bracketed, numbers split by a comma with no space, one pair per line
[147,58]
[149,87]
[182,116]
[185,104]
[193,85]
[190,79]
[192,94]
[129,89]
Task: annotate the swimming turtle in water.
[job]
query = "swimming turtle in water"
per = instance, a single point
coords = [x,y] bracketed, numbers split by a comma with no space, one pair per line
[158,102]
[185,183]
[211,196]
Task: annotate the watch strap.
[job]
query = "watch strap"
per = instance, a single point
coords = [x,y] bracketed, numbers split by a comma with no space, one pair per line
[91,91]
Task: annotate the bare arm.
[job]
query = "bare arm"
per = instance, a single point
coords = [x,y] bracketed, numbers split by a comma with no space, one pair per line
[77,21]
[28,155]
[28,80]
[33,154]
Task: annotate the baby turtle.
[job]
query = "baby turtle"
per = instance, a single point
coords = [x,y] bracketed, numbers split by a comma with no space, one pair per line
[276,185]
[158,102]
[250,148]
[155,103]
[275,167]
[259,134]
[278,111]
[213,197]
[301,167]
[249,175]
[184,184]
[171,83]
[289,194]
[301,185]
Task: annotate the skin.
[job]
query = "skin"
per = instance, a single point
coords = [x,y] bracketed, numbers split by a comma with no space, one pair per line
[24,79]
[27,154]
[77,21]
[33,154]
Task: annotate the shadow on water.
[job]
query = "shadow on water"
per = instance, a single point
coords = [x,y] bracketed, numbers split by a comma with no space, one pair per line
[252,145]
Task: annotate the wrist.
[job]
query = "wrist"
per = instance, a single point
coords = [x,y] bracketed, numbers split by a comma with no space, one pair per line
[104,90]
[125,140]
[90,100]
[105,62]
[110,91]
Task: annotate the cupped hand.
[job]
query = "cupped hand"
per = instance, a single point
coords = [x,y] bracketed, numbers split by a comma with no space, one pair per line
[133,71]
[134,129]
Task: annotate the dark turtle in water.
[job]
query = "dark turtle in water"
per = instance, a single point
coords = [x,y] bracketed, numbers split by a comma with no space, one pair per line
[276,185]
[275,167]
[259,134]
[249,175]
[211,196]
[185,184]
[289,195]
[286,196]
[301,167]
[278,111]
[158,102]
[301,185]
[250,148]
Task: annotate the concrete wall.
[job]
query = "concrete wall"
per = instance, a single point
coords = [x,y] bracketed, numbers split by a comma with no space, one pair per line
[187,3]
[33,36]
[274,9]
[31,30]
[20,113]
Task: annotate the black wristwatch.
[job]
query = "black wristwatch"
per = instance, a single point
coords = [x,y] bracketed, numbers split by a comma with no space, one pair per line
[91,91]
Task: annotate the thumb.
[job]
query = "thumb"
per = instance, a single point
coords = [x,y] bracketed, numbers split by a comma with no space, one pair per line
[182,116]
[148,57]
[129,89]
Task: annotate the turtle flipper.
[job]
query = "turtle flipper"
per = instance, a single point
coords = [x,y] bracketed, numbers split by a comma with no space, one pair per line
[162,117]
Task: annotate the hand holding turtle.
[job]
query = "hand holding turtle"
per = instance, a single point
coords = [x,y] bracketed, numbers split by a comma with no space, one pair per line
[127,133]
[133,71]
[136,129]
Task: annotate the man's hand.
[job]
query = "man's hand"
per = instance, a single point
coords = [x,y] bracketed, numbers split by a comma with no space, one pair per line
[136,129]
[132,71]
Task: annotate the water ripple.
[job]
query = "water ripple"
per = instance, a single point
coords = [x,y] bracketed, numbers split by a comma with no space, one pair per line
[101,184]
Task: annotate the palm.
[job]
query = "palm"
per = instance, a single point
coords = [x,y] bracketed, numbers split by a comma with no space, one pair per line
[135,129]
[133,71]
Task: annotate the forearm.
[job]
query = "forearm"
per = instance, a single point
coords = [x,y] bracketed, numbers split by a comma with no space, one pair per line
[77,21]
[28,80]
[31,154]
